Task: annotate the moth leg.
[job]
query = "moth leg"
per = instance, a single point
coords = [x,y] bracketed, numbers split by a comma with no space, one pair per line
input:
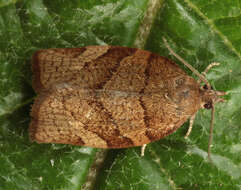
[192,118]
[143,149]
[208,68]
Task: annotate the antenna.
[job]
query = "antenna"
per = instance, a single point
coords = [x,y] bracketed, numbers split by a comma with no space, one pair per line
[202,78]
[211,133]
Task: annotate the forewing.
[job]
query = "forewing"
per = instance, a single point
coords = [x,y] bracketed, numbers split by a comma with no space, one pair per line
[87,67]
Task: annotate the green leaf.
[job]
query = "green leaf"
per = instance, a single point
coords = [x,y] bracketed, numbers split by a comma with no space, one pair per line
[200,31]
[7,2]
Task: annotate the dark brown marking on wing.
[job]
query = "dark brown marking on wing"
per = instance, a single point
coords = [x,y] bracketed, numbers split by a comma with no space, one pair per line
[172,65]
[114,139]
[120,53]
[87,128]
[112,136]
[152,135]
[80,142]
[142,103]
[36,83]
[120,141]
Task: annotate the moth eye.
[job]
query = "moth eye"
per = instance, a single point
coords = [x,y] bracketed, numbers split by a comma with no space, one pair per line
[205,87]
[208,105]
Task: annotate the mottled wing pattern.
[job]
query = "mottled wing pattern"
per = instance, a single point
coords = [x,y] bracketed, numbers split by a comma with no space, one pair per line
[87,67]
[114,98]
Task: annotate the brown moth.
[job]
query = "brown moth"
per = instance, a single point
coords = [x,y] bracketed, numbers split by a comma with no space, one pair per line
[111,97]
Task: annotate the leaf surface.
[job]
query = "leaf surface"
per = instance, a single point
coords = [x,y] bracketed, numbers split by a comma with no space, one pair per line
[200,31]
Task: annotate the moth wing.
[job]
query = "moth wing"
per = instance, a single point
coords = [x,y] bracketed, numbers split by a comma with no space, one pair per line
[77,116]
[131,105]
[103,119]
[87,67]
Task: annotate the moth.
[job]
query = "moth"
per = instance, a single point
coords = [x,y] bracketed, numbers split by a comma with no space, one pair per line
[113,97]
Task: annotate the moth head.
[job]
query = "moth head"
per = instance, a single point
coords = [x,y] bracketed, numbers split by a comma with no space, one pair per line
[210,97]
